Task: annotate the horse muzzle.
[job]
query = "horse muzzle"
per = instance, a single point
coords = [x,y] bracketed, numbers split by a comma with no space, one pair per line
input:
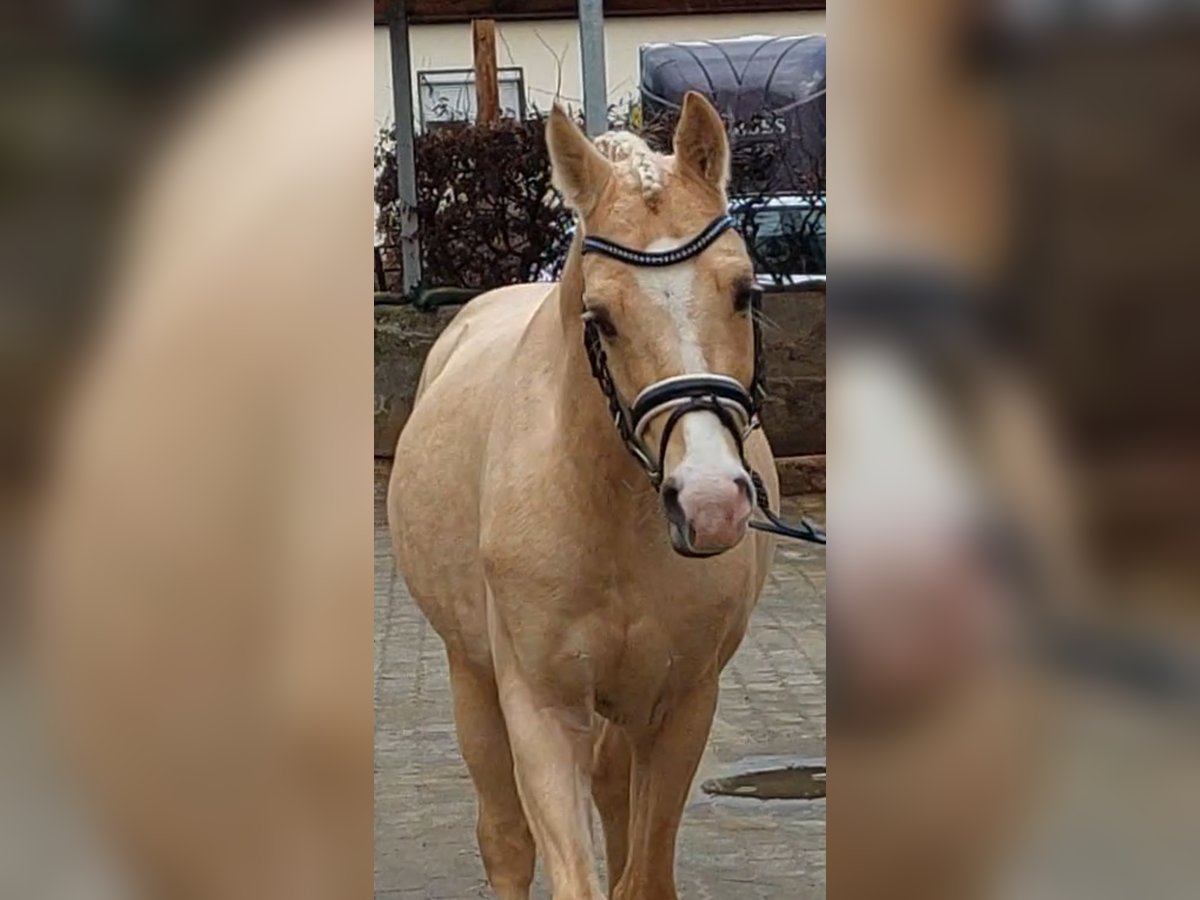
[707,515]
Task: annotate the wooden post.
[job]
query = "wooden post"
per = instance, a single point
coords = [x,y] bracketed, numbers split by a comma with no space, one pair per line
[487,88]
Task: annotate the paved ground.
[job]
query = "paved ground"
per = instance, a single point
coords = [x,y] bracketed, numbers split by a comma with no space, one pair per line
[772,702]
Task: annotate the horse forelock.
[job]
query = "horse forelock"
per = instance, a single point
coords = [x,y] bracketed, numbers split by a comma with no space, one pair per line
[634,162]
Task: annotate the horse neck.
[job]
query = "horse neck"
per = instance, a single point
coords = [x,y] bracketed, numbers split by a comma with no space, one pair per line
[585,422]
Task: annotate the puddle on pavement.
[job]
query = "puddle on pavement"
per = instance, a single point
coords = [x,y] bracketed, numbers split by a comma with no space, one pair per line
[798,779]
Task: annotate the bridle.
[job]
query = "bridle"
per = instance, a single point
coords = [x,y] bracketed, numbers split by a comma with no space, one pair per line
[735,406]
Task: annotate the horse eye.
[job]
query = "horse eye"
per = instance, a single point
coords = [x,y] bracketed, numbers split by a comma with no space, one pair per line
[602,320]
[745,295]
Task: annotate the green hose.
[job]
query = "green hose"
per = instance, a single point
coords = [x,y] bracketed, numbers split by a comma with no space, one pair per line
[428,298]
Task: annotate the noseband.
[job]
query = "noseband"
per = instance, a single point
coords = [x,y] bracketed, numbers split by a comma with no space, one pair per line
[736,407]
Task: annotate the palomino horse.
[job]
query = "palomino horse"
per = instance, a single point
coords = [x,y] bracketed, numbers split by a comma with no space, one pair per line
[587,616]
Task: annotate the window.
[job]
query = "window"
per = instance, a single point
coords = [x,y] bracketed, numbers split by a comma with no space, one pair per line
[448,95]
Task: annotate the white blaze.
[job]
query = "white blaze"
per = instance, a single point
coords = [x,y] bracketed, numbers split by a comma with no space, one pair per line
[671,288]
[706,442]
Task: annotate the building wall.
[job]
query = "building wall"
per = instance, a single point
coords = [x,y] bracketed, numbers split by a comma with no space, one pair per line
[548,51]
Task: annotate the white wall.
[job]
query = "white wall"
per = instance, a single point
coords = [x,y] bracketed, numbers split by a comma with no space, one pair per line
[535,45]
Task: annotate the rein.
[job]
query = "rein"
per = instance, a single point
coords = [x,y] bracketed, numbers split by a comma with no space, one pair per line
[735,406]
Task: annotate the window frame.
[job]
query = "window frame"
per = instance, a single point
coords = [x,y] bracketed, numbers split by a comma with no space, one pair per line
[467,80]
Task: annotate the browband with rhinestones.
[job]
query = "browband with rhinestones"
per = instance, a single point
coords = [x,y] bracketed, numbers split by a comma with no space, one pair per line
[694,247]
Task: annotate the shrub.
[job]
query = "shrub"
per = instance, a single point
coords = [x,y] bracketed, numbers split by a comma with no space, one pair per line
[487,214]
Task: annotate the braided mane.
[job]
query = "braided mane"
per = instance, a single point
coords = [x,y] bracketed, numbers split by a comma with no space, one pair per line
[635,162]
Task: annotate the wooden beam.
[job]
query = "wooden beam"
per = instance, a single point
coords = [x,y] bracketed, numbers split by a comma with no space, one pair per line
[487,88]
[424,12]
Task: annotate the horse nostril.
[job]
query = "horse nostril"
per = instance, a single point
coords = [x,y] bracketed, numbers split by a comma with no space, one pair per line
[743,482]
[670,499]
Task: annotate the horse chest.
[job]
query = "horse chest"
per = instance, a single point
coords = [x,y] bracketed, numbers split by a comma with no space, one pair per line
[647,660]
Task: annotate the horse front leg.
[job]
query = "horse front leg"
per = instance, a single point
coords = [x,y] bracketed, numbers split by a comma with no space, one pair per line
[552,756]
[549,721]
[665,760]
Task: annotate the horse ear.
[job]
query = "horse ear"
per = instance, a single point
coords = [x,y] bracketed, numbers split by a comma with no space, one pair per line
[701,144]
[577,168]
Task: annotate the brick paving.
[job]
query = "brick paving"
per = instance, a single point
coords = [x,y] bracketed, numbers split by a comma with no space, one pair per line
[772,703]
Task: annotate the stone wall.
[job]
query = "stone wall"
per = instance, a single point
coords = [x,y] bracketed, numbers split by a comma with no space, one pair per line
[403,336]
[794,345]
[794,342]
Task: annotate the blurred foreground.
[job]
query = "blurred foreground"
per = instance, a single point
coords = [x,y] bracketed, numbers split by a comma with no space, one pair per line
[1014,485]
[193,675]
[1013,643]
